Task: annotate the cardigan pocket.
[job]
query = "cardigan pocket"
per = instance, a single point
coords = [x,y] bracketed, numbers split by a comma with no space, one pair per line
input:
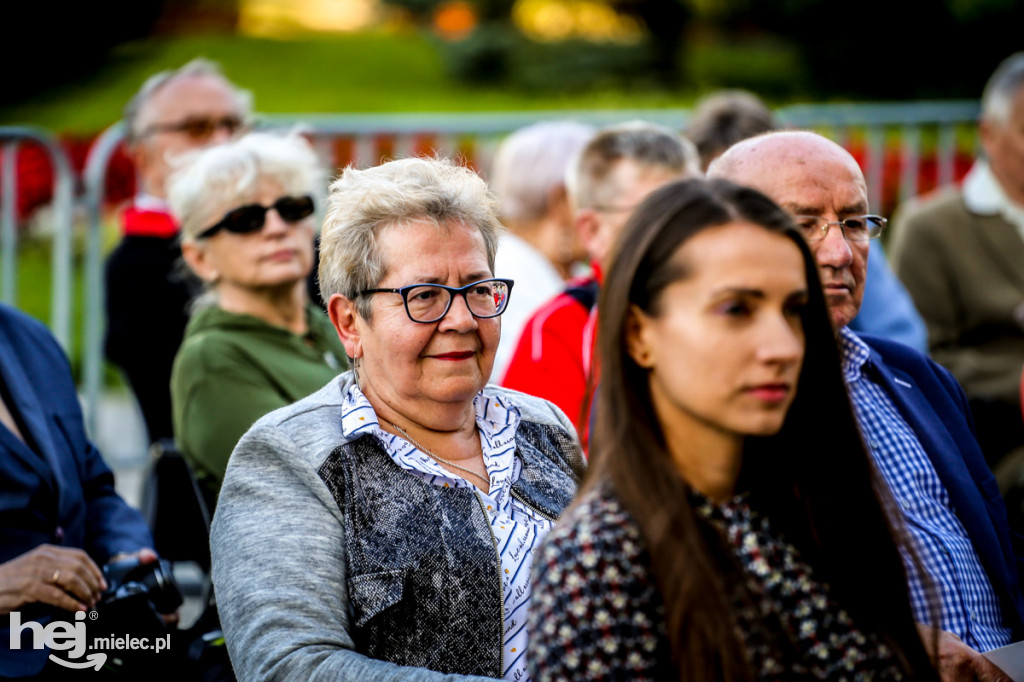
[373,593]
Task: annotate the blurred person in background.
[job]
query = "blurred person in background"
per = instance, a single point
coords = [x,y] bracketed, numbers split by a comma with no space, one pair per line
[616,169]
[960,253]
[147,290]
[726,117]
[541,247]
[255,342]
[712,539]
[912,413]
[61,518]
[383,528]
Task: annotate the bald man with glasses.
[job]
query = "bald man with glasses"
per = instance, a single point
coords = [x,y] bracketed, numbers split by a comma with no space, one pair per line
[912,413]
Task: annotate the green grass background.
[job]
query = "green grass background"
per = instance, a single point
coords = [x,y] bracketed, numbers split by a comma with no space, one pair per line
[350,73]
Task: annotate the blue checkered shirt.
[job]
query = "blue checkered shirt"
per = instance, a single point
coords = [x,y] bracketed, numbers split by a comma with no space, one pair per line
[969,606]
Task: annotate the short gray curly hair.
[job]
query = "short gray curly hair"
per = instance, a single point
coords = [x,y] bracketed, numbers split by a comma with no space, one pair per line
[361,203]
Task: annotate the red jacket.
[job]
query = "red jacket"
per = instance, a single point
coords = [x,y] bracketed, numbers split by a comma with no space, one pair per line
[555,353]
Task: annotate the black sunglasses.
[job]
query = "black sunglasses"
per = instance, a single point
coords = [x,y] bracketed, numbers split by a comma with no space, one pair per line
[252,217]
[199,127]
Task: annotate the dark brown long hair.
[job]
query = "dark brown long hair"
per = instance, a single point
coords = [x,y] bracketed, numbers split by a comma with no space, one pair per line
[813,479]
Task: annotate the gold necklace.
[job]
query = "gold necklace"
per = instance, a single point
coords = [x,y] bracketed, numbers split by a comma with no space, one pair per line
[405,435]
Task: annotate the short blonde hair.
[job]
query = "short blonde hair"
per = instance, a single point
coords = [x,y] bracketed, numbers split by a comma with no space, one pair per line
[361,203]
[232,171]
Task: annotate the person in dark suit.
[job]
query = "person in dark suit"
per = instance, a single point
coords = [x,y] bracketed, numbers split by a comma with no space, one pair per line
[911,411]
[60,516]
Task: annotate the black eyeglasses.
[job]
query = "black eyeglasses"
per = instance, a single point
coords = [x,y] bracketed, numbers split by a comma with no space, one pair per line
[252,217]
[428,303]
[859,228]
[198,127]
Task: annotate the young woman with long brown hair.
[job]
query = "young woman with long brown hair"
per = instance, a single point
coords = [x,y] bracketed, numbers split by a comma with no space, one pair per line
[731,526]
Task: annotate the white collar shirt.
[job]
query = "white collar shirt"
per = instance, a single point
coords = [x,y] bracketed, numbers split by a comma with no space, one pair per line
[985,196]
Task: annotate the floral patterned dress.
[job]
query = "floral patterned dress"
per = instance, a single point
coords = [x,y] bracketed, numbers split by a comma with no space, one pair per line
[597,613]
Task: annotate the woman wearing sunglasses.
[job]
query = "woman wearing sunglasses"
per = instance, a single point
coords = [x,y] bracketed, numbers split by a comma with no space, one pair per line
[731,526]
[254,342]
[383,527]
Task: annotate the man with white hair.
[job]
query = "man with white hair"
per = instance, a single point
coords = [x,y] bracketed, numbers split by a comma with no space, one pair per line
[911,411]
[960,254]
[147,293]
[541,248]
[617,168]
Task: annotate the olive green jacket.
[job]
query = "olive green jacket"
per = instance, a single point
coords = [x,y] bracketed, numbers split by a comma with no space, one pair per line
[232,369]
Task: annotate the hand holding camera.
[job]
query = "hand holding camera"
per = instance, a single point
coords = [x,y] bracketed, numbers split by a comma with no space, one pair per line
[64,577]
[140,582]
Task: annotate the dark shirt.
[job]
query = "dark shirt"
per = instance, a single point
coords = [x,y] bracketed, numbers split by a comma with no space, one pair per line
[54,486]
[147,301]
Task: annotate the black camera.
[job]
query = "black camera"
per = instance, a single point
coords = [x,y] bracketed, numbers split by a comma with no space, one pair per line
[131,580]
[132,607]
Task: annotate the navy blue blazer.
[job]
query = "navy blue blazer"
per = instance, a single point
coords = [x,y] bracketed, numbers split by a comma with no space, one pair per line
[935,407]
[62,493]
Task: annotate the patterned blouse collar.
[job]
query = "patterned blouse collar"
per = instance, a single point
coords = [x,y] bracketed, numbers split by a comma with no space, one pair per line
[496,420]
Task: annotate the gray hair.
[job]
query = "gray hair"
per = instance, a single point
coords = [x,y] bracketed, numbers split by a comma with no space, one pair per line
[361,203]
[198,67]
[1002,86]
[589,180]
[232,172]
[531,162]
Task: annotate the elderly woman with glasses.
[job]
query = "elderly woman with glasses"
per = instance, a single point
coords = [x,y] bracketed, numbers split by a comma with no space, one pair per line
[383,527]
[254,342]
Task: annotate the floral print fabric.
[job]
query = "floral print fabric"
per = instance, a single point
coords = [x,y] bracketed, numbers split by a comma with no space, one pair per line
[597,613]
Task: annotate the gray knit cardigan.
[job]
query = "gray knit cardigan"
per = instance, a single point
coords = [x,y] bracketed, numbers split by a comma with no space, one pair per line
[331,563]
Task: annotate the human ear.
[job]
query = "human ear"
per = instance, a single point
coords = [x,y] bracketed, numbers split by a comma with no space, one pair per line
[147,167]
[987,135]
[637,343]
[558,204]
[344,317]
[591,235]
[199,261]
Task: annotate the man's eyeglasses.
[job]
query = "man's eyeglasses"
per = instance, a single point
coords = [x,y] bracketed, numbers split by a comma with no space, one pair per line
[859,228]
[428,303]
[613,209]
[252,217]
[198,127]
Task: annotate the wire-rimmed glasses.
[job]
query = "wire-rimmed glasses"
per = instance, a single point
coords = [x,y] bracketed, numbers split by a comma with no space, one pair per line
[858,228]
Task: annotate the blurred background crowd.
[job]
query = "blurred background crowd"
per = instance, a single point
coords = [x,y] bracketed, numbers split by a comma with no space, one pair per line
[572,111]
[375,79]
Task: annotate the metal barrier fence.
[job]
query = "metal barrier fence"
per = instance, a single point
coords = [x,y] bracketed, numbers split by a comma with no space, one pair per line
[12,139]
[904,148]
